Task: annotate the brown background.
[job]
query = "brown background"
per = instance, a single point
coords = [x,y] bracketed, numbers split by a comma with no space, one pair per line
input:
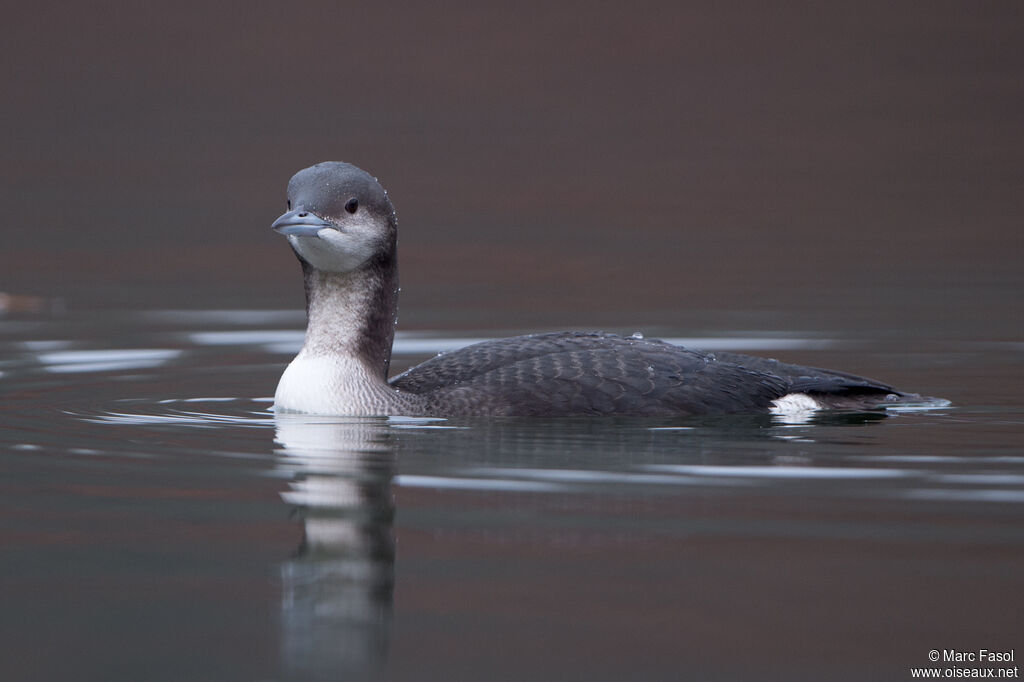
[569,163]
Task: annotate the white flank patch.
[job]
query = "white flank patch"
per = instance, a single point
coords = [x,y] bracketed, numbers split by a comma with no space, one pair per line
[794,405]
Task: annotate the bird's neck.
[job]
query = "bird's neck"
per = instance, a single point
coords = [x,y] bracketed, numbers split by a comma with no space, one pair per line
[352,314]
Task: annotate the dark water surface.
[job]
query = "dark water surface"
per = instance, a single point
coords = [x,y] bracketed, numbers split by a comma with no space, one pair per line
[159,523]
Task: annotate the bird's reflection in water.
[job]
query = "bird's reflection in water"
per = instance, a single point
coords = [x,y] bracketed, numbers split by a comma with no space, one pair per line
[337,603]
[337,589]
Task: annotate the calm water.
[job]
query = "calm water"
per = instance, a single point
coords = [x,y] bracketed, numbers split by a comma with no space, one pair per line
[159,523]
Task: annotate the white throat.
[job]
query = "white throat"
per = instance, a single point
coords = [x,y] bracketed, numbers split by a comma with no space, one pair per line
[334,251]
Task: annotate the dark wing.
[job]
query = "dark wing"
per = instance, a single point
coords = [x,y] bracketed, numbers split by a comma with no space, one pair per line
[813,380]
[576,373]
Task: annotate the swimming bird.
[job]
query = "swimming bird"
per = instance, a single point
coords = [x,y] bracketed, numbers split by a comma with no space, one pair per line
[342,227]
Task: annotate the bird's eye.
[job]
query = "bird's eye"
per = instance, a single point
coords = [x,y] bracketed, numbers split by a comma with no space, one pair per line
[289,204]
[351,205]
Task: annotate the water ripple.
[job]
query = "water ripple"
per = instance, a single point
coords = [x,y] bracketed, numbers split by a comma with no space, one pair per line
[249,413]
[107,360]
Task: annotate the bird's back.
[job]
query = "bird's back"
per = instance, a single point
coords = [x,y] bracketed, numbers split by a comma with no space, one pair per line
[574,373]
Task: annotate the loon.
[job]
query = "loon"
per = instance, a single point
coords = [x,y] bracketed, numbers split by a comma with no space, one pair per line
[342,227]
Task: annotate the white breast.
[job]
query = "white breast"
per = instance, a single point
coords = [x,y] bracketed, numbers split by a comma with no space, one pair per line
[329,384]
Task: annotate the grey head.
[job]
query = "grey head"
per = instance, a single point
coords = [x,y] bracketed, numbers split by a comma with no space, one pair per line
[339,218]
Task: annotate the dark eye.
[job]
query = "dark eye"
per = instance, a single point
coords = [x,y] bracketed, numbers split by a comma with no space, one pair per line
[351,205]
[289,204]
